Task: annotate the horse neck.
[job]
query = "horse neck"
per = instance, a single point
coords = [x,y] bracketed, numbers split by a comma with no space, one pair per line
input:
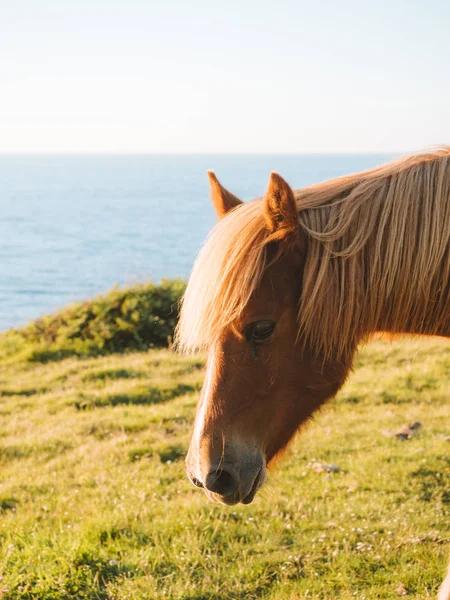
[405,261]
[378,254]
[417,300]
[427,315]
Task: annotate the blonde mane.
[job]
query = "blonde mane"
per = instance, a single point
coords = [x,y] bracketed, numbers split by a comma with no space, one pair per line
[377,258]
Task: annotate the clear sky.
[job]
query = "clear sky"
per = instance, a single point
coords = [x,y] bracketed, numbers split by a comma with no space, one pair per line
[224,75]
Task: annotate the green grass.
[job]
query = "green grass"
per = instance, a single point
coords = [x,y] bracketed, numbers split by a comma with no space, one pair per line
[94,502]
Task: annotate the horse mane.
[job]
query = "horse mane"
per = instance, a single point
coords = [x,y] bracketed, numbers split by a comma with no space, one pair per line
[377,258]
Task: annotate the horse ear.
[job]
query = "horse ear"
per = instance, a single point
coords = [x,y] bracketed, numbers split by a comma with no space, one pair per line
[280,210]
[222,199]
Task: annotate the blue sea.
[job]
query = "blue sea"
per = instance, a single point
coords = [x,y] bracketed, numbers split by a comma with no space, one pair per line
[73,226]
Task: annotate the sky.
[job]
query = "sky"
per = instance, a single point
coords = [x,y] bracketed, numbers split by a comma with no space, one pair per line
[156,76]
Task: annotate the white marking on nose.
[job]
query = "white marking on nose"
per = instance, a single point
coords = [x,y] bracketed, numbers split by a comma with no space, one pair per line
[444,590]
[199,426]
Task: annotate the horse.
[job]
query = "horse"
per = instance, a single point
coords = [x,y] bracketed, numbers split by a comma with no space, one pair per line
[288,286]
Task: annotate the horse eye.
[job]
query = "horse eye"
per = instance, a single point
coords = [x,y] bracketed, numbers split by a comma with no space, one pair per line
[260,331]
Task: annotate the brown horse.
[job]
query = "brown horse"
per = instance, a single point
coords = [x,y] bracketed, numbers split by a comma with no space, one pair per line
[286,288]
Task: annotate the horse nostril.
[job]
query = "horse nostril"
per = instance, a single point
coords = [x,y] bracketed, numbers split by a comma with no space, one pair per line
[221,482]
[197,482]
[193,479]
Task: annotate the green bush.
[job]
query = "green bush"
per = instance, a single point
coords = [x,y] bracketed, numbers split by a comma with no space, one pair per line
[135,318]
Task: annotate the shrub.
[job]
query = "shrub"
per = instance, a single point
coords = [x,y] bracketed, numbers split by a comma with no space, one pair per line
[135,318]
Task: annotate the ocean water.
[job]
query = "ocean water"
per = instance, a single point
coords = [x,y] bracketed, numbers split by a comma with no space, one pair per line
[74,226]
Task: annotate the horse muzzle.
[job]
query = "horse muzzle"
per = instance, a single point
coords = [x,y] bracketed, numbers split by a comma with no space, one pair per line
[225,481]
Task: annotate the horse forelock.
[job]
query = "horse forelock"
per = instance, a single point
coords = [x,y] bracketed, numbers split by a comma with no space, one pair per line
[225,274]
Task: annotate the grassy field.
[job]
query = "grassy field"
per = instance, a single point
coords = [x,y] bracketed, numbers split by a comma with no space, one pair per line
[95,504]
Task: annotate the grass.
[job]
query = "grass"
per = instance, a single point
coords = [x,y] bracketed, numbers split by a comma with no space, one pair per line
[94,503]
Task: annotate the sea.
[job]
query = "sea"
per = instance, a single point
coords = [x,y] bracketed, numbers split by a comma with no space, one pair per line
[73,226]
